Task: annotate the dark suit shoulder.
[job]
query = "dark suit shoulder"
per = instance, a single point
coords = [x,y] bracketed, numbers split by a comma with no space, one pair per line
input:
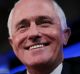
[71,66]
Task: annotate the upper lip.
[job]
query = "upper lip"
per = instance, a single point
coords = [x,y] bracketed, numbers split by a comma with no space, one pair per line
[44,43]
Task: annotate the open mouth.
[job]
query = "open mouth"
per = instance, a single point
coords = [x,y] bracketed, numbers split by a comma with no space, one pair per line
[38,45]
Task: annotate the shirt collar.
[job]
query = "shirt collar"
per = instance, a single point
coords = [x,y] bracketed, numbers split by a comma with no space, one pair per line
[56,70]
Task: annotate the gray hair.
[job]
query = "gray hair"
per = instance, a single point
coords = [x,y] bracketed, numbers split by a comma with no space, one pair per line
[58,9]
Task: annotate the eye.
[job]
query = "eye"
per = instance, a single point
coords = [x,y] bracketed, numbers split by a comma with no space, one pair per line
[23,24]
[44,21]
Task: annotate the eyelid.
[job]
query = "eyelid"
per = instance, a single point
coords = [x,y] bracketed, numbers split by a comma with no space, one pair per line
[23,22]
[44,21]
[48,21]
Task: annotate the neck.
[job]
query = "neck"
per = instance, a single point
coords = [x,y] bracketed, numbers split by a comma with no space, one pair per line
[42,69]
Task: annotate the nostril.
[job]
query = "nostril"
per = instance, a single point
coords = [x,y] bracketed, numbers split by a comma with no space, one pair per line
[35,38]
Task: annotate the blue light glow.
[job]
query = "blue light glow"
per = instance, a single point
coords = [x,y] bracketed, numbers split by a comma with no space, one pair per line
[17,69]
[72,51]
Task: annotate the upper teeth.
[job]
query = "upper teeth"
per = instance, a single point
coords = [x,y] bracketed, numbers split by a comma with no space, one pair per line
[36,46]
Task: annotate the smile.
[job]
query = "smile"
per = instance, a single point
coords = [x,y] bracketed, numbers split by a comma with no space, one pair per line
[35,46]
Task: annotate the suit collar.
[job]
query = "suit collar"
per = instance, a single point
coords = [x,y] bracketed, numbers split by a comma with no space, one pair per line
[66,68]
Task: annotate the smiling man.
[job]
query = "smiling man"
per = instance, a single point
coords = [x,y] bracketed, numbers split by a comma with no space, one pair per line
[37,33]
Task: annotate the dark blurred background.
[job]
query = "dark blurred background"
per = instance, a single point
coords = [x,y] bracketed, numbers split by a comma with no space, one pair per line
[72,12]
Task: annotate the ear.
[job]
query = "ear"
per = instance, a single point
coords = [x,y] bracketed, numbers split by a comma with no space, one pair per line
[12,44]
[67,33]
[10,41]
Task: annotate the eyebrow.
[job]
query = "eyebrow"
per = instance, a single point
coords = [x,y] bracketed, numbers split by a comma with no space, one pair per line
[21,21]
[36,18]
[44,17]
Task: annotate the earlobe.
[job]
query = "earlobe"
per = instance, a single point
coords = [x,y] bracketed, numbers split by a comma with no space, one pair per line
[67,33]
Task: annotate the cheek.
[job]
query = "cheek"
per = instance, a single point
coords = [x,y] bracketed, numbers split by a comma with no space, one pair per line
[52,33]
[56,37]
[18,39]
[17,47]
[48,30]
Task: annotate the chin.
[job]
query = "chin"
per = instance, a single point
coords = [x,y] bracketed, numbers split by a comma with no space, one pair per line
[35,62]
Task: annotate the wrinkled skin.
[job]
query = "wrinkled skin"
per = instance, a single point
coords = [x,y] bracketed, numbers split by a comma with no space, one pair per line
[35,23]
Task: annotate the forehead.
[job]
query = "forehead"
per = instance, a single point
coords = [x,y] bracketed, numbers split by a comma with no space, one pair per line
[32,8]
[23,3]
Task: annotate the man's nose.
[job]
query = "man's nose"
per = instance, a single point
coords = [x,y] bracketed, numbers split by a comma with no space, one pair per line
[33,33]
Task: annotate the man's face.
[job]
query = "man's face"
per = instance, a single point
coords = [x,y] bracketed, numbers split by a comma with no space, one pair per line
[37,36]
